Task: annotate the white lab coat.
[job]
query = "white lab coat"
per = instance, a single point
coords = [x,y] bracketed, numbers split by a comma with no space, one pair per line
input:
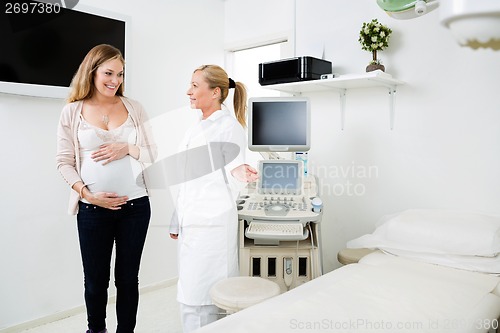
[206,207]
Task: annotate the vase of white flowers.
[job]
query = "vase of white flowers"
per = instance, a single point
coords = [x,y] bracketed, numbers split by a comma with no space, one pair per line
[374,37]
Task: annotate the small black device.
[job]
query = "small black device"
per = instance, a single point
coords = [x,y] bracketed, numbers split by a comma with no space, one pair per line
[293,70]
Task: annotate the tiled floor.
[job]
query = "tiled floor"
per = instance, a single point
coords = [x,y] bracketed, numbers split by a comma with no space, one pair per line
[158,313]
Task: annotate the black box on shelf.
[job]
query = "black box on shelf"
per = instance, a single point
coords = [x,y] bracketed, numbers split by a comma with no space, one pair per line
[293,70]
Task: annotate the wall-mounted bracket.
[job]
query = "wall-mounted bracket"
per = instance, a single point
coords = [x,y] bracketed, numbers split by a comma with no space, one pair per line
[344,82]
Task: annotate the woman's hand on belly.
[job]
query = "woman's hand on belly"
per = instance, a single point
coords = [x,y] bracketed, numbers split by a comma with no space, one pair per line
[111,152]
[107,200]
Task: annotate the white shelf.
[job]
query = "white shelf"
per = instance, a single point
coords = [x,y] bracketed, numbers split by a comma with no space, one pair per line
[342,83]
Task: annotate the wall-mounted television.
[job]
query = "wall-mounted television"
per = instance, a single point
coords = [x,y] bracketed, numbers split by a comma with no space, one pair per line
[279,124]
[41,48]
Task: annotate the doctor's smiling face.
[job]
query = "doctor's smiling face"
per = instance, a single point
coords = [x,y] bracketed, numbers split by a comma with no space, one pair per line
[201,96]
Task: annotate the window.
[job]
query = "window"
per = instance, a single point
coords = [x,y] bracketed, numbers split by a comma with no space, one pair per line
[246,67]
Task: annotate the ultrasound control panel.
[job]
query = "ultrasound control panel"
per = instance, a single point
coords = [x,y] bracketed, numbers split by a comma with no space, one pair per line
[282,193]
[286,208]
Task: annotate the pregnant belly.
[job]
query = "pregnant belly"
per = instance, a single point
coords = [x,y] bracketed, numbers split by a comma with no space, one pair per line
[118,176]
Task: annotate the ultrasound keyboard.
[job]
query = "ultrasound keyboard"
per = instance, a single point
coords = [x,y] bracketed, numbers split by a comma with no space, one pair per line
[277,231]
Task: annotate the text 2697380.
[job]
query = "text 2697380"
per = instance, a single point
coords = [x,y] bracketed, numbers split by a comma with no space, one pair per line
[33,7]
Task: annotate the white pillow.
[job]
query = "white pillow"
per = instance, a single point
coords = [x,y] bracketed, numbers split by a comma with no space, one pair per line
[489,265]
[437,232]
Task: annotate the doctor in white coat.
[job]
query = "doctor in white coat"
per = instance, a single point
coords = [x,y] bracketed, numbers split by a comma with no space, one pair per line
[206,220]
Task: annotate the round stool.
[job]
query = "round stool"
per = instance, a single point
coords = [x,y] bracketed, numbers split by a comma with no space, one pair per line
[351,256]
[237,293]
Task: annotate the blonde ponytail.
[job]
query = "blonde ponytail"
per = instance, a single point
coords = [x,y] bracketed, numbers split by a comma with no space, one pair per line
[240,103]
[217,77]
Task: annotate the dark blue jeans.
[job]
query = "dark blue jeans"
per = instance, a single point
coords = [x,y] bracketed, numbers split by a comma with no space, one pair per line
[98,230]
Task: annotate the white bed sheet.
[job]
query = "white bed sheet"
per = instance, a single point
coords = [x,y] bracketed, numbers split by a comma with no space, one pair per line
[380,294]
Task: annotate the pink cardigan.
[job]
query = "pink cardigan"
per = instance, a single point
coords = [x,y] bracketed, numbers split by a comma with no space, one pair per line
[67,157]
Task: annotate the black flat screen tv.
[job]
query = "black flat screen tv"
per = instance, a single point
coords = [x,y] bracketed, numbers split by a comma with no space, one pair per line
[42,44]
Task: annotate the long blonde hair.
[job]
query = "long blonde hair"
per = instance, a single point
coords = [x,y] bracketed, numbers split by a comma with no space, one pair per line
[217,77]
[82,85]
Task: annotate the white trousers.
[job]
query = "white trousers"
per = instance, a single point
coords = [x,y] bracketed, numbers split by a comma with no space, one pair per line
[194,317]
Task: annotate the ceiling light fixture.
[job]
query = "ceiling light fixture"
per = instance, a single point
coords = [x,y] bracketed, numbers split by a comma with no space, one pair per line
[473,23]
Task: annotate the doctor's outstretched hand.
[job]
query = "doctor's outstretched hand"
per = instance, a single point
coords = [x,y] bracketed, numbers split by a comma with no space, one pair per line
[245,173]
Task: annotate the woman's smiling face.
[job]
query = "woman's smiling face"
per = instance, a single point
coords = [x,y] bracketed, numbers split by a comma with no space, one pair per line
[200,94]
[108,77]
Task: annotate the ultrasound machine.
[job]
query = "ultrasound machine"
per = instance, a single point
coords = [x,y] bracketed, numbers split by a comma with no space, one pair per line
[280,214]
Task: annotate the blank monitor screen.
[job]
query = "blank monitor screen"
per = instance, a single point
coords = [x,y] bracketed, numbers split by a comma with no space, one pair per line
[280,177]
[279,124]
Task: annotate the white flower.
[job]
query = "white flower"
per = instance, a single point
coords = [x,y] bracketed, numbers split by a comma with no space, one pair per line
[374,36]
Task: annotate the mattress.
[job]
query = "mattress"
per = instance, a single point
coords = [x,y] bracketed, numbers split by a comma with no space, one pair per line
[381,293]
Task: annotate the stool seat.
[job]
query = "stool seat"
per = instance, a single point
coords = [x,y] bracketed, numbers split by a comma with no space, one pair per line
[237,293]
[351,256]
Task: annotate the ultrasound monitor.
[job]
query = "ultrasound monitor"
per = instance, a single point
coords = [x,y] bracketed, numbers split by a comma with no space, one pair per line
[280,177]
[279,124]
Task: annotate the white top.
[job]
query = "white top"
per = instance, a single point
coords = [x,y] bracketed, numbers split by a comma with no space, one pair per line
[123,176]
[206,217]
[68,146]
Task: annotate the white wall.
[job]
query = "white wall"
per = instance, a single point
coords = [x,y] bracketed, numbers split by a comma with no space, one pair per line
[444,149]
[40,258]
[249,22]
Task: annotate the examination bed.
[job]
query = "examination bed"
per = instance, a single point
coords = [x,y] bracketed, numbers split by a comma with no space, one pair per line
[415,282]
